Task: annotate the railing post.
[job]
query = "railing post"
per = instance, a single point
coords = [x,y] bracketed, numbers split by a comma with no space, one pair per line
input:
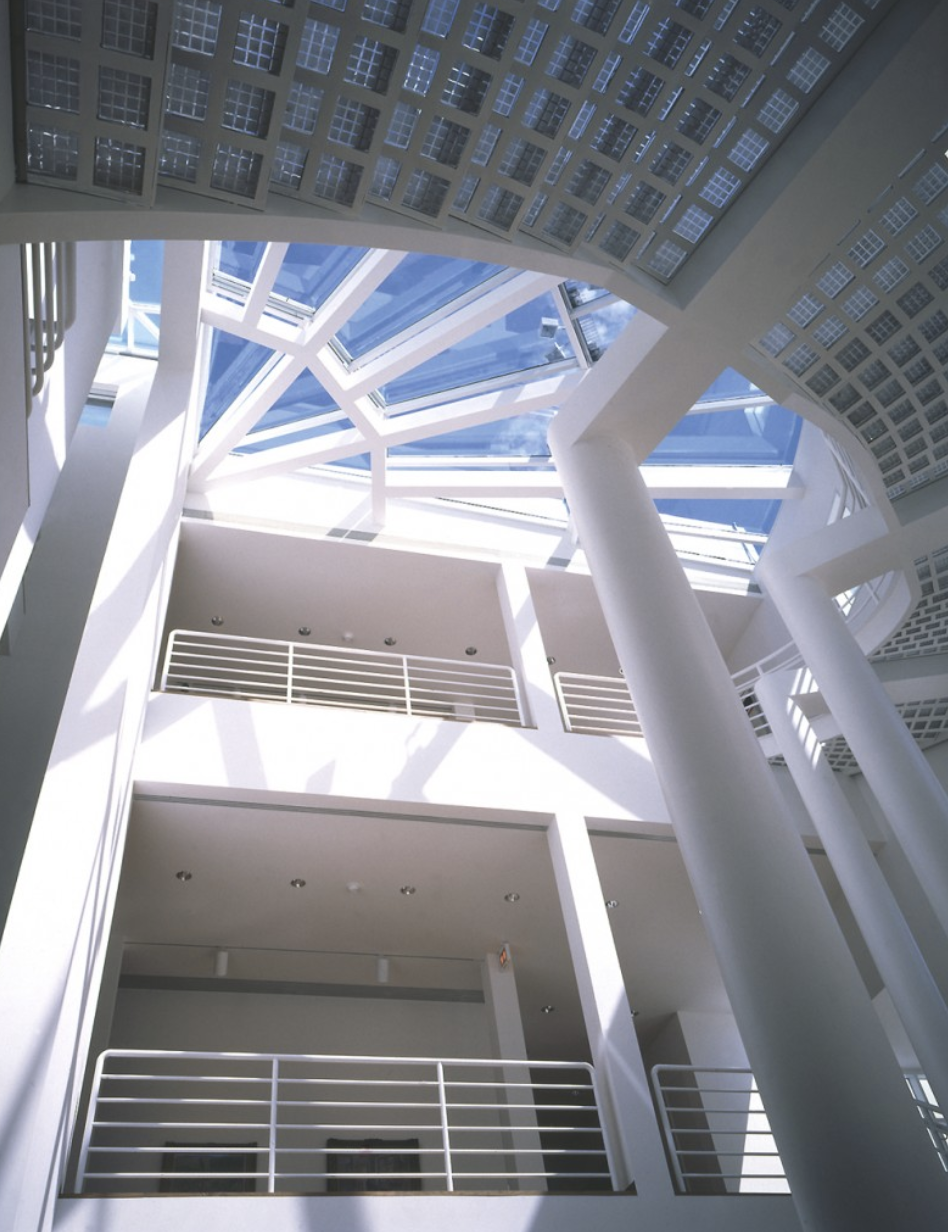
[407,684]
[289,672]
[90,1122]
[561,699]
[515,684]
[445,1133]
[667,1129]
[169,653]
[274,1112]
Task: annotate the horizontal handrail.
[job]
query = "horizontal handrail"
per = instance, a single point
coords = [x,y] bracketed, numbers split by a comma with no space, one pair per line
[168,1131]
[261,669]
[48,289]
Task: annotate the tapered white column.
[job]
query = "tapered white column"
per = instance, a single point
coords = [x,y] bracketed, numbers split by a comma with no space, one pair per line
[914,802]
[894,950]
[627,1109]
[854,1150]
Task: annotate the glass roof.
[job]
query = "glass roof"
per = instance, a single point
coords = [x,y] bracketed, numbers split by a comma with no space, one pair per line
[438,364]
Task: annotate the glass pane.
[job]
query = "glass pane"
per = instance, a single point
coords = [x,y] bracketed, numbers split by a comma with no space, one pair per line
[234,364]
[521,436]
[310,272]
[305,399]
[756,516]
[754,435]
[322,428]
[418,287]
[240,259]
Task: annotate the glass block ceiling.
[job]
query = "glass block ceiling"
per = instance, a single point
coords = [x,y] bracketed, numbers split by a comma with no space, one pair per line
[416,368]
[623,130]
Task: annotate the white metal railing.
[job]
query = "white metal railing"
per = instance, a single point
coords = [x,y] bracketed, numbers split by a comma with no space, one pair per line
[211,1122]
[931,1114]
[48,288]
[716,1131]
[221,665]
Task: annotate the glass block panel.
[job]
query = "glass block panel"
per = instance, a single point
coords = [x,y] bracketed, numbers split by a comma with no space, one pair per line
[852,354]
[289,163]
[52,151]
[235,170]
[570,61]
[823,380]
[188,91]
[666,259]
[425,193]
[546,112]
[500,207]
[756,31]
[123,97]
[903,351]
[466,88]
[129,26]
[402,125]
[392,14]
[720,188]
[897,217]
[693,224]
[196,26]
[644,202]
[874,374]
[866,249]
[486,144]
[923,244]
[61,18]
[883,327]
[52,81]
[370,64]
[667,42]
[247,108]
[445,141]
[179,156]
[670,162]
[508,94]
[778,110]
[698,121]
[595,15]
[800,359]
[522,161]
[634,22]
[337,180]
[534,210]
[302,108]
[808,69]
[531,41]
[640,91]
[119,165]
[317,46]
[697,8]
[840,26]
[726,77]
[488,31]
[610,66]
[260,43]
[439,16]
[385,178]
[613,137]
[564,223]
[804,310]
[835,279]
[859,303]
[421,69]
[928,186]
[618,240]
[353,123]
[588,181]
[914,299]
[560,159]
[939,274]
[465,194]
[829,332]
[748,150]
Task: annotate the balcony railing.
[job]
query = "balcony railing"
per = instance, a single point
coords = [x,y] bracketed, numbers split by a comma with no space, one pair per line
[220,665]
[210,1122]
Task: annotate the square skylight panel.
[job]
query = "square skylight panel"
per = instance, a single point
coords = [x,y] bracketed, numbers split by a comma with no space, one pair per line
[353,124]
[196,26]
[317,46]
[129,26]
[52,151]
[613,137]
[179,156]
[289,162]
[445,141]
[595,15]
[425,193]
[187,92]
[52,81]
[236,170]
[119,165]
[488,31]
[500,207]
[247,108]
[370,64]
[337,180]
[61,18]
[123,97]
[302,107]
[466,88]
[421,69]
[392,14]
[260,43]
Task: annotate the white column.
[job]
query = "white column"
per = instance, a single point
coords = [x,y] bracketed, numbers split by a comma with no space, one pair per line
[627,1108]
[527,649]
[54,945]
[851,1141]
[894,950]
[503,1002]
[914,802]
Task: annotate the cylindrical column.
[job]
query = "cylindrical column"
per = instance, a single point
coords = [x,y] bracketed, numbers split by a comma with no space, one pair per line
[914,802]
[628,1111]
[853,1146]
[913,990]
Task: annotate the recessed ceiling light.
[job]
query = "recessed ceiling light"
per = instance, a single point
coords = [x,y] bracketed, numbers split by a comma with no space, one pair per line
[512,897]
[217,621]
[547,1009]
[304,630]
[407,890]
[471,650]
[183,875]
[354,887]
[550,660]
[612,903]
[390,641]
[298,882]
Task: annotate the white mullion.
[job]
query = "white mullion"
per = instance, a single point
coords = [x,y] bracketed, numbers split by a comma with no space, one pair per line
[379,483]
[737,403]
[238,468]
[721,482]
[262,285]
[297,425]
[230,319]
[525,484]
[574,333]
[242,414]
[330,371]
[564,368]
[471,412]
[451,328]
[349,296]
